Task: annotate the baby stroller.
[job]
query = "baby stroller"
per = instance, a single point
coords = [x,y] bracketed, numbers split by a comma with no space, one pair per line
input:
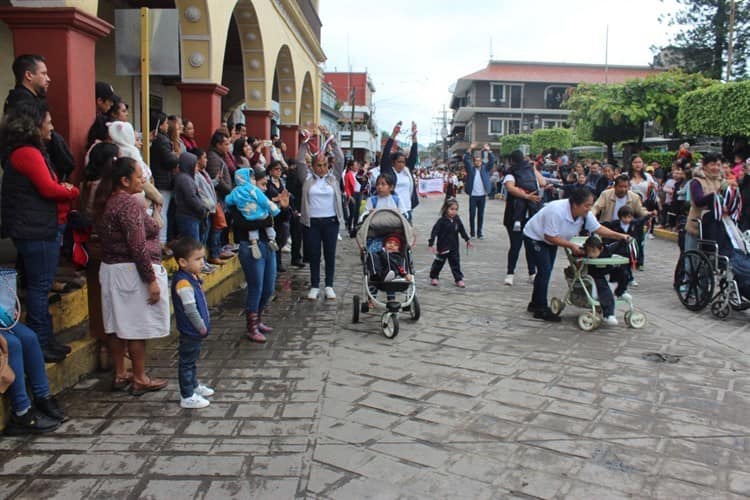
[582,291]
[401,294]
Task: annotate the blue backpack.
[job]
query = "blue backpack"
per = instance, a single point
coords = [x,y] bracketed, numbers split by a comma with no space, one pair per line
[374,200]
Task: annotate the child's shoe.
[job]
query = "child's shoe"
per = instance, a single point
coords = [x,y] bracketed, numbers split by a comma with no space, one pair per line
[255,250]
[389,276]
[434,282]
[517,226]
[273,245]
[194,402]
[626,297]
[508,280]
[204,391]
[460,284]
[610,320]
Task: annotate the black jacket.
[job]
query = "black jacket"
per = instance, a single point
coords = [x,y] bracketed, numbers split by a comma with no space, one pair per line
[25,214]
[187,200]
[446,231]
[163,162]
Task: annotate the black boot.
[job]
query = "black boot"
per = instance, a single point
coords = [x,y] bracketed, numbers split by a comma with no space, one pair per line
[51,356]
[32,422]
[50,408]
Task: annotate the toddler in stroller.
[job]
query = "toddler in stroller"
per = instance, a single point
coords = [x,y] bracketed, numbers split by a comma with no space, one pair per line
[383,240]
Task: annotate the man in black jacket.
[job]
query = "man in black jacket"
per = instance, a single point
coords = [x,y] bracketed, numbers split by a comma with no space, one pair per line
[32,82]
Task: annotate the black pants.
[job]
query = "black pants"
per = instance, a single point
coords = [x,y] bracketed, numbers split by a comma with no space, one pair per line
[295,232]
[454,260]
[516,242]
[282,236]
[476,211]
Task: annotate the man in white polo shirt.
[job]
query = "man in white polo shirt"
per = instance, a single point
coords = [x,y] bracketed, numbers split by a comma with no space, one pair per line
[554,226]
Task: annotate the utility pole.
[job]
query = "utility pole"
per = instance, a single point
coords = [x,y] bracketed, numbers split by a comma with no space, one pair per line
[441,121]
[351,123]
[730,47]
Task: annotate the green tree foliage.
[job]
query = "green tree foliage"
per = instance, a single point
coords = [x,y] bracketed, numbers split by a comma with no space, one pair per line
[510,143]
[665,158]
[560,139]
[611,113]
[702,42]
[719,110]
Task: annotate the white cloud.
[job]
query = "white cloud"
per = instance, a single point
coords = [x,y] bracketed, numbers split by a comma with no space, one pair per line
[415,50]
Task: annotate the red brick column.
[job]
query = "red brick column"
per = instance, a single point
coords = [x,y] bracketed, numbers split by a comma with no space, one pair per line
[258,125]
[201,104]
[66,38]
[290,137]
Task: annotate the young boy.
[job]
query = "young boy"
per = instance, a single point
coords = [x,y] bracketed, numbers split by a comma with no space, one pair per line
[389,263]
[626,223]
[193,322]
[595,249]
[246,196]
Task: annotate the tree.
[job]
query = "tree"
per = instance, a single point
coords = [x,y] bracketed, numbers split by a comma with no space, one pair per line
[612,113]
[509,143]
[560,139]
[703,40]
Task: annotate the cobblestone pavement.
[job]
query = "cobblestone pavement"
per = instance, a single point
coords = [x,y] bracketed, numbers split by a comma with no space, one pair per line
[476,400]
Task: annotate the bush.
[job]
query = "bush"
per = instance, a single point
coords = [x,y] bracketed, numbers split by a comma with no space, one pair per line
[665,158]
[560,139]
[509,143]
[719,110]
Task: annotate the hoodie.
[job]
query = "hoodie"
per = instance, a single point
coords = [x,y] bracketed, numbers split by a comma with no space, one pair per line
[185,191]
[249,199]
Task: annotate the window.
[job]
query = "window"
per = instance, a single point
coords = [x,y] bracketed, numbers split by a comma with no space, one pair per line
[552,123]
[503,126]
[554,96]
[497,93]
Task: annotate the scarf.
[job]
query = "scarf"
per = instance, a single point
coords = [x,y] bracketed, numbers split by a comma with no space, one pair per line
[123,135]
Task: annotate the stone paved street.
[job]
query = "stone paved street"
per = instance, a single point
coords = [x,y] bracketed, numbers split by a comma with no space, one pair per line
[476,400]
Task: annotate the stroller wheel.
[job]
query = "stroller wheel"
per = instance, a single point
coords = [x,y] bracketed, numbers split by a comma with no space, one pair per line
[556,306]
[414,310]
[389,324]
[355,309]
[635,319]
[587,321]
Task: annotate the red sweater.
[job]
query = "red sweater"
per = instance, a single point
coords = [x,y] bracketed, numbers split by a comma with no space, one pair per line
[351,185]
[30,162]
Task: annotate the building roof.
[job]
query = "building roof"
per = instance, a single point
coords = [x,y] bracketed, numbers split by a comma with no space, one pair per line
[546,72]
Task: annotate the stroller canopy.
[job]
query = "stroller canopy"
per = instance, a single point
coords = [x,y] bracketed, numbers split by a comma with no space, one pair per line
[382,222]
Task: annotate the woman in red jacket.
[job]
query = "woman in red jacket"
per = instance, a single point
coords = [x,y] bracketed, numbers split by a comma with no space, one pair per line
[35,207]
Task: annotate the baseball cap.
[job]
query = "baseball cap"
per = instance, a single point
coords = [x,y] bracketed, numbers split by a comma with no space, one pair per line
[105,92]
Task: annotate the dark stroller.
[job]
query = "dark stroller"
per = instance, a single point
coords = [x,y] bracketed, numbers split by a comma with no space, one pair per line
[401,293]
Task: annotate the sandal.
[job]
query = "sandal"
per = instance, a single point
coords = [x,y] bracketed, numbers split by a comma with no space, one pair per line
[153,384]
[120,384]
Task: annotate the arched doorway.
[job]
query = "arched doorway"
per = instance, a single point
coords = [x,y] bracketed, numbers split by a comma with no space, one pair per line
[307,102]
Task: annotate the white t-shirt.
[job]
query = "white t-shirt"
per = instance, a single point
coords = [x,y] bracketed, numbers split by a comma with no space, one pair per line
[322,198]
[478,188]
[555,219]
[404,185]
[508,178]
[642,187]
[619,203]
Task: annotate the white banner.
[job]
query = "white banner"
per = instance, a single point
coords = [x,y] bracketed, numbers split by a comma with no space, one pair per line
[430,186]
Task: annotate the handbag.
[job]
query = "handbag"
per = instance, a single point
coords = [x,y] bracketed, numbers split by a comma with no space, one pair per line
[218,219]
[7,377]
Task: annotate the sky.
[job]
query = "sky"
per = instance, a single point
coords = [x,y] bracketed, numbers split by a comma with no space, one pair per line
[415,49]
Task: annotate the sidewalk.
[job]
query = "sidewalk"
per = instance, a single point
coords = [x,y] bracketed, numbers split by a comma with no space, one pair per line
[476,400]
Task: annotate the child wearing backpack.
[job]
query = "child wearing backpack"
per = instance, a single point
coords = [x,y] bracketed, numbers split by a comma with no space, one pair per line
[384,196]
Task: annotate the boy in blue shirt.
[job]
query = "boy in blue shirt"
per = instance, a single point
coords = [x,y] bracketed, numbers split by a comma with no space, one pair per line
[193,322]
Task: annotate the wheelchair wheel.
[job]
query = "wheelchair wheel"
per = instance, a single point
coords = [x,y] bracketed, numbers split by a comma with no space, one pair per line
[720,309]
[389,324]
[694,280]
[355,309]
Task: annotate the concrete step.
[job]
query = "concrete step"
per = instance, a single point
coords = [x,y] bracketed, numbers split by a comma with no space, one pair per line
[69,316]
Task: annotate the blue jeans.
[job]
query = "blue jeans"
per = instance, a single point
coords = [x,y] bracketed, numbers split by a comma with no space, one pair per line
[323,231]
[214,243]
[39,259]
[204,230]
[187,373]
[260,275]
[26,360]
[516,242]
[476,211]
[543,258]
[188,226]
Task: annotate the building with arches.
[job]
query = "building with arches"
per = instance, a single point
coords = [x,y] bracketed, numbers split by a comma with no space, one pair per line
[257,59]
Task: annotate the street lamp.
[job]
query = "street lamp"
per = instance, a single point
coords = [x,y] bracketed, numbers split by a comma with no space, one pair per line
[444,135]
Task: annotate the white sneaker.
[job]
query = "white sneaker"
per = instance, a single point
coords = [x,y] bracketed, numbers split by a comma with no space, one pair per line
[330,294]
[650,236]
[339,237]
[204,391]
[313,294]
[389,276]
[531,278]
[610,320]
[627,297]
[509,280]
[194,402]
[634,283]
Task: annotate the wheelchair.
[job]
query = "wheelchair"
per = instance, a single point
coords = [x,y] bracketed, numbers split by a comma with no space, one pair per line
[704,276]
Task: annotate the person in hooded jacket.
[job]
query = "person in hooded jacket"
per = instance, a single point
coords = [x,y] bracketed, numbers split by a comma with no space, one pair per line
[189,207]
